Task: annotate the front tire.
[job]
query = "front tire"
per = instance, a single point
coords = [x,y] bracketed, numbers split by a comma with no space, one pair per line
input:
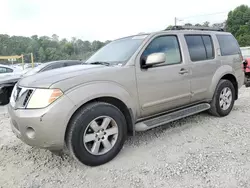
[4,96]
[223,99]
[96,133]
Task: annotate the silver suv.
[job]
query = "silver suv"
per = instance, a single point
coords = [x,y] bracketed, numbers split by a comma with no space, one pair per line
[132,84]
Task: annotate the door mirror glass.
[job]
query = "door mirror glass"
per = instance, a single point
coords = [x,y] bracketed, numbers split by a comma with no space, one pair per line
[155,58]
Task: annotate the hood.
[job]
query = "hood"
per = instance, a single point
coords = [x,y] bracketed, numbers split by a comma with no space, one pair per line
[48,78]
[9,79]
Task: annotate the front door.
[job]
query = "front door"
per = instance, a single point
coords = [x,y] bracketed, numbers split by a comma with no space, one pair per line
[164,86]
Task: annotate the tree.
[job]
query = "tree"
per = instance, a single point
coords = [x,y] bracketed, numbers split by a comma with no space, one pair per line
[41,53]
[46,48]
[238,23]
[96,45]
[188,24]
[198,25]
[219,25]
[206,24]
[107,41]
[169,27]
[55,37]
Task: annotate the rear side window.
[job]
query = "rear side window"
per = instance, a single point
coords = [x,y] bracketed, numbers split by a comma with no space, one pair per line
[200,47]
[228,45]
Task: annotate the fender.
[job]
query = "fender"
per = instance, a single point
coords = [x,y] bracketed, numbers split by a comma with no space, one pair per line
[220,72]
[92,90]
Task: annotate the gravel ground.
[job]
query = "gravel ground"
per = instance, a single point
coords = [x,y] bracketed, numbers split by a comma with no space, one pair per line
[199,151]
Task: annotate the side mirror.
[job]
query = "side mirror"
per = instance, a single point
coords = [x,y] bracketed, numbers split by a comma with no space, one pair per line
[154,59]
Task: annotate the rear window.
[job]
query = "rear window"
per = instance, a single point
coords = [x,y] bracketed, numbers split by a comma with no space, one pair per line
[228,45]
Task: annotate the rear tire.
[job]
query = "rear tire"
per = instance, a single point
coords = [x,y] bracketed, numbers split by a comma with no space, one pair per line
[223,99]
[96,133]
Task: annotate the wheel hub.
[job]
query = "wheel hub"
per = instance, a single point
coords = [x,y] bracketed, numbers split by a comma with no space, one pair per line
[225,98]
[100,135]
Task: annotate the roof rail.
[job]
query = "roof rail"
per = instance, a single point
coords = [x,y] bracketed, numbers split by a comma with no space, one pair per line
[202,28]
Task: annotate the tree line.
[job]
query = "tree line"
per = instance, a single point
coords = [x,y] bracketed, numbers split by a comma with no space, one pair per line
[46,48]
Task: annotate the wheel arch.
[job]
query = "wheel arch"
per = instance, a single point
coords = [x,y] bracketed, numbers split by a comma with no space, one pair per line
[233,80]
[128,113]
[224,72]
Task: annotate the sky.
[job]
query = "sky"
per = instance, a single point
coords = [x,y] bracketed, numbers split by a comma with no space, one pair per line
[106,19]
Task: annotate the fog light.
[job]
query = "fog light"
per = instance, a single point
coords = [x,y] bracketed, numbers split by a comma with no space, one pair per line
[30,132]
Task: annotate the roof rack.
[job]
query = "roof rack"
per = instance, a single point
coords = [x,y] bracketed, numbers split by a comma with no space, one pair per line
[195,28]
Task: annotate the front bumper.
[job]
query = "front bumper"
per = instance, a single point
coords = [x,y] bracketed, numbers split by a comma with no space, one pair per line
[43,128]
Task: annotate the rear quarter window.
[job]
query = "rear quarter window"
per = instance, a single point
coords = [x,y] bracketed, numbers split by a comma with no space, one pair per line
[228,45]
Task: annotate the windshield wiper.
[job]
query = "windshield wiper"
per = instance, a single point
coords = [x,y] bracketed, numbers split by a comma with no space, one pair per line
[99,63]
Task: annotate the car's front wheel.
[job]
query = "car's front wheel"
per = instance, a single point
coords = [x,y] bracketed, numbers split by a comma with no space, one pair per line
[96,133]
[4,96]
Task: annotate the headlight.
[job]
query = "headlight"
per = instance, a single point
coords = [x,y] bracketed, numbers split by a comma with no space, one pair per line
[41,98]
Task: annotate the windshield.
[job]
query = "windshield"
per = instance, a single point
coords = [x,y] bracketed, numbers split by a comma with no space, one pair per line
[35,70]
[118,51]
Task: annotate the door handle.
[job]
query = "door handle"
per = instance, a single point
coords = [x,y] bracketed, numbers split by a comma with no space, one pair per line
[183,71]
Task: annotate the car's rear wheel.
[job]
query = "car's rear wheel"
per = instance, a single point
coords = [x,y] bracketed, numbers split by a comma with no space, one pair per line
[96,133]
[223,99]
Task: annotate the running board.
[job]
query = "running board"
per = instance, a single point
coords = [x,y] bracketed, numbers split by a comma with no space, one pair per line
[167,118]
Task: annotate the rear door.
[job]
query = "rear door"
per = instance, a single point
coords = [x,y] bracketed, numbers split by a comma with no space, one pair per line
[202,59]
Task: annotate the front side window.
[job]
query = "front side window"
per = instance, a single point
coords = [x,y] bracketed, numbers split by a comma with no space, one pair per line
[165,44]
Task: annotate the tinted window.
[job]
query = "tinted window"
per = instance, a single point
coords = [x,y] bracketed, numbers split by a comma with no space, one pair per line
[72,63]
[118,51]
[9,70]
[196,48]
[53,66]
[166,44]
[209,46]
[228,45]
[3,70]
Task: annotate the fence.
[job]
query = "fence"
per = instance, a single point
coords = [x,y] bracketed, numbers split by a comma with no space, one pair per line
[245,51]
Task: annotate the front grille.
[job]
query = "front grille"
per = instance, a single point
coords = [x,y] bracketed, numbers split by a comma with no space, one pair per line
[21,96]
[27,97]
[18,90]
